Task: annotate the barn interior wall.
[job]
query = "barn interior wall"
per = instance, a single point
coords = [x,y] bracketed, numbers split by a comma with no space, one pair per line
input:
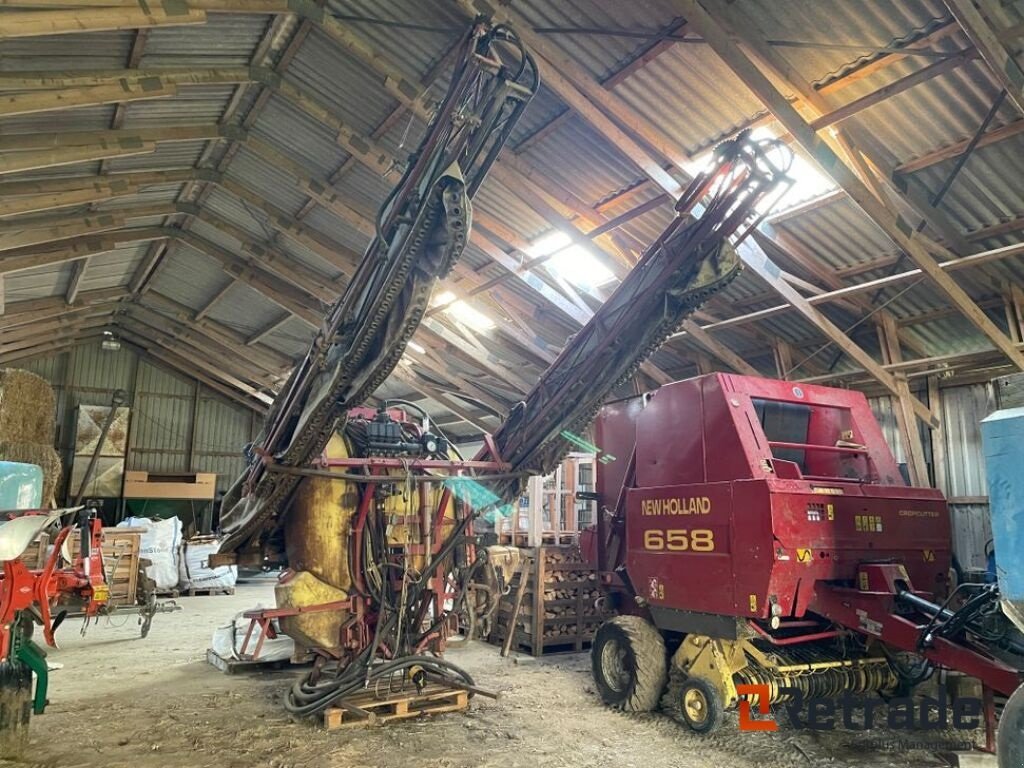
[177,424]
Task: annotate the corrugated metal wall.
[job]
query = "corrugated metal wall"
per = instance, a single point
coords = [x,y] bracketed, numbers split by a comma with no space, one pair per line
[962,410]
[177,425]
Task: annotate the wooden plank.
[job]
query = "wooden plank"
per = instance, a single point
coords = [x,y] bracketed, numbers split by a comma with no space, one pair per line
[29,257]
[16,237]
[33,102]
[136,15]
[889,90]
[85,78]
[25,141]
[955,150]
[15,162]
[554,61]
[75,283]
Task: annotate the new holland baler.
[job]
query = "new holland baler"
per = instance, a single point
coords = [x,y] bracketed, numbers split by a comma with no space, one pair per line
[760,533]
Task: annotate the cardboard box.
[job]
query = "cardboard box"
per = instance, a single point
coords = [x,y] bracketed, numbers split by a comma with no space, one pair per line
[149,485]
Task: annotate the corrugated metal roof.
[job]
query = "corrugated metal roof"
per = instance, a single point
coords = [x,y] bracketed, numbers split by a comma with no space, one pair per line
[686,92]
[225,40]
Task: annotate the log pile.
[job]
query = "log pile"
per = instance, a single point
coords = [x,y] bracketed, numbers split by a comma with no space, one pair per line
[562,601]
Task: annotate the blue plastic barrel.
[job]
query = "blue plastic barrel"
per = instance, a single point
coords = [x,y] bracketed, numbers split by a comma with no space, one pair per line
[1002,436]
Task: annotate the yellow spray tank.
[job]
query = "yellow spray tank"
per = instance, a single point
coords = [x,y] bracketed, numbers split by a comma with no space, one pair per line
[317,535]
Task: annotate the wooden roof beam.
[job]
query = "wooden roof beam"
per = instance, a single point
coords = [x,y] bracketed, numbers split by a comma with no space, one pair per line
[955,150]
[866,157]
[75,283]
[900,231]
[1001,62]
[116,136]
[268,329]
[13,236]
[826,326]
[29,80]
[135,15]
[50,346]
[719,350]
[45,328]
[967,262]
[448,401]
[29,257]
[33,102]
[154,352]
[16,162]
[272,359]
[213,369]
[244,366]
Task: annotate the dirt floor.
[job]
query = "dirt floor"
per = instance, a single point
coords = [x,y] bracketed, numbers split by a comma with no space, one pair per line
[123,701]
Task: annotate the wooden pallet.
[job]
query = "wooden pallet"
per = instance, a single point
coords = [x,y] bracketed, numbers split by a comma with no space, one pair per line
[208,592]
[434,699]
[121,561]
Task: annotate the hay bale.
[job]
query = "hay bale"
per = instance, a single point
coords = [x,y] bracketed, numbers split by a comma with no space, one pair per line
[28,409]
[43,456]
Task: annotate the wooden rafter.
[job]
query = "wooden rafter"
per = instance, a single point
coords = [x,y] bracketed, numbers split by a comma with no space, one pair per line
[134,15]
[897,229]
[1001,62]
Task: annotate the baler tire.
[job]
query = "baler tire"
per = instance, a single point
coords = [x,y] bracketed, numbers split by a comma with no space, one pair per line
[711,705]
[1010,732]
[641,654]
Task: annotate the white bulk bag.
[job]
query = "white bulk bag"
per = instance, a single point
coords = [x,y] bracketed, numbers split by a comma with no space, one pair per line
[161,540]
[195,570]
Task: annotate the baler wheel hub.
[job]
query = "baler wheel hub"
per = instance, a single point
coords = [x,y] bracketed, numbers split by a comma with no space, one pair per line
[700,704]
[613,661]
[696,705]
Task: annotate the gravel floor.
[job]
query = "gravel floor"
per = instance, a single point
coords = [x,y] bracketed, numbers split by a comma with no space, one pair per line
[123,701]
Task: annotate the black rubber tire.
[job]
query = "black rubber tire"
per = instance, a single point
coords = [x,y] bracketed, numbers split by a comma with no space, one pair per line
[712,707]
[629,663]
[15,710]
[1010,732]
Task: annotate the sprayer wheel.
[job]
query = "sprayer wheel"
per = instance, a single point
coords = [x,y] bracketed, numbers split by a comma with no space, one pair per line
[629,664]
[1010,733]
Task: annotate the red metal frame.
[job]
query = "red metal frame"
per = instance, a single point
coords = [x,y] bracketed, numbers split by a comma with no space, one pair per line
[22,588]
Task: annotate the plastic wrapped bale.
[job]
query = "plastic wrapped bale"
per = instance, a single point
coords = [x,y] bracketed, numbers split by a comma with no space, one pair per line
[161,545]
[42,455]
[28,408]
[195,572]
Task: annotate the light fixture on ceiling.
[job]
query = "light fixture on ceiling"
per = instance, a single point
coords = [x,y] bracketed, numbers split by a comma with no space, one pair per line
[416,348]
[110,342]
